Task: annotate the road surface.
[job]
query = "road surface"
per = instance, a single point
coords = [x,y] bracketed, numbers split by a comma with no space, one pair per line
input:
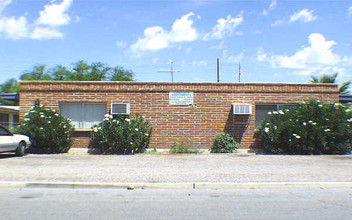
[114,203]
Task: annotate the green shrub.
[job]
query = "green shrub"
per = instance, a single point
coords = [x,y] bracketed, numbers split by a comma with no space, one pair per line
[121,135]
[183,148]
[50,132]
[224,143]
[310,128]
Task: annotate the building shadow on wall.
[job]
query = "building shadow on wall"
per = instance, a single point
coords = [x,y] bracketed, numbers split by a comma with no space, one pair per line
[236,125]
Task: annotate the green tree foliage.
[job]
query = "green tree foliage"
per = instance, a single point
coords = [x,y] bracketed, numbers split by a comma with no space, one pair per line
[121,135]
[310,128]
[120,74]
[10,86]
[79,71]
[38,72]
[50,132]
[343,88]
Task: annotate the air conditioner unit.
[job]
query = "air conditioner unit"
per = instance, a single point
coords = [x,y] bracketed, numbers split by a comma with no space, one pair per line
[120,108]
[241,109]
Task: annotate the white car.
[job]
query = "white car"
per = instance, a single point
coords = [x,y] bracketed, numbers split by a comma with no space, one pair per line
[13,142]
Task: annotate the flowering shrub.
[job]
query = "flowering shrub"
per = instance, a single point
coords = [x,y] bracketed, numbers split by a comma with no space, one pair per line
[310,128]
[224,143]
[121,135]
[49,131]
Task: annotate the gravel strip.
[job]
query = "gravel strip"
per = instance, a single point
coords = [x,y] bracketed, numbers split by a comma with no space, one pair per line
[176,168]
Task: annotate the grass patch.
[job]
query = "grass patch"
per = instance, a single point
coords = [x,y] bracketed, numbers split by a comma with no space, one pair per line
[183,148]
[154,151]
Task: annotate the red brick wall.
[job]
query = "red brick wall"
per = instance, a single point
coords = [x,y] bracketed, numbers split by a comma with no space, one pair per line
[174,124]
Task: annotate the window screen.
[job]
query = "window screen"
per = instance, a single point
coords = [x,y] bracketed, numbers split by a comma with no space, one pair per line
[83,115]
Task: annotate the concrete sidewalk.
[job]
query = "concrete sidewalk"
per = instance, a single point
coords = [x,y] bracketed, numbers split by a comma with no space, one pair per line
[193,170]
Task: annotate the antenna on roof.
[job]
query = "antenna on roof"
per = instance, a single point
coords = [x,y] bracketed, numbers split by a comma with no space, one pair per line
[172,71]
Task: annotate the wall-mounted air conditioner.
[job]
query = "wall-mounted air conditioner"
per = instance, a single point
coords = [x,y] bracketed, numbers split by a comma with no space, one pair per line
[241,109]
[120,108]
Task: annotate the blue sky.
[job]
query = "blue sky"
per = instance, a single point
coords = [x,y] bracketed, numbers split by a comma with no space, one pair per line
[275,40]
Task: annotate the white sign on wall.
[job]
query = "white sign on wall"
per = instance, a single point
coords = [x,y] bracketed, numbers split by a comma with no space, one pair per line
[180,98]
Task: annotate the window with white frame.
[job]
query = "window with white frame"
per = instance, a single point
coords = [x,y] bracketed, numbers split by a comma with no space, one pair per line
[261,111]
[83,115]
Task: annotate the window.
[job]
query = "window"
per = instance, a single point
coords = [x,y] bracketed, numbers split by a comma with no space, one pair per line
[3,132]
[83,115]
[261,111]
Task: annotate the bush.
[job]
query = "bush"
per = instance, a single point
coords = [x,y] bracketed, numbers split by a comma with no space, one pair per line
[224,143]
[310,128]
[50,132]
[183,148]
[121,135]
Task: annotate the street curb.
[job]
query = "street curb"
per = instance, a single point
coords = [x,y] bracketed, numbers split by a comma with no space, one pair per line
[199,185]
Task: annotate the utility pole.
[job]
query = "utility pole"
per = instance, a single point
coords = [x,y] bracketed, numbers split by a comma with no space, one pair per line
[172,71]
[218,70]
[239,72]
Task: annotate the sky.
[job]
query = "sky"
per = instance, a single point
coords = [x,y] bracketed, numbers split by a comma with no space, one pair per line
[273,41]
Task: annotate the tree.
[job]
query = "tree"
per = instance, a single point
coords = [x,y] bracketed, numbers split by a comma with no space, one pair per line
[10,86]
[120,74]
[343,88]
[39,72]
[80,71]
[61,73]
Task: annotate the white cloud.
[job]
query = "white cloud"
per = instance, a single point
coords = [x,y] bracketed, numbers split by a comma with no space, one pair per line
[218,47]
[304,15]
[199,63]
[225,27]
[276,23]
[261,55]
[3,4]
[272,6]
[45,27]
[157,38]
[45,33]
[13,28]
[349,11]
[55,14]
[316,57]
[121,43]
[182,29]
[226,58]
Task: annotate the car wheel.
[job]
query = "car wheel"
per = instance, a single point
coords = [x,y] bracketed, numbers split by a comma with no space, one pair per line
[20,149]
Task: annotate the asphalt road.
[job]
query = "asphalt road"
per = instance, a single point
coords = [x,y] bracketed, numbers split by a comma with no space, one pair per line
[92,203]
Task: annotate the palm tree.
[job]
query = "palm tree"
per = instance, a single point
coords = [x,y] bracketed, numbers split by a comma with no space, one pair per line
[343,87]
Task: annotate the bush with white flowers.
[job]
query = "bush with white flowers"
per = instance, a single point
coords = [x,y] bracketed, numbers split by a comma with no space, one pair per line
[121,135]
[310,128]
[50,132]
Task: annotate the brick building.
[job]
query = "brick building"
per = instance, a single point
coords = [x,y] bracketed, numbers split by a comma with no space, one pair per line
[179,112]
